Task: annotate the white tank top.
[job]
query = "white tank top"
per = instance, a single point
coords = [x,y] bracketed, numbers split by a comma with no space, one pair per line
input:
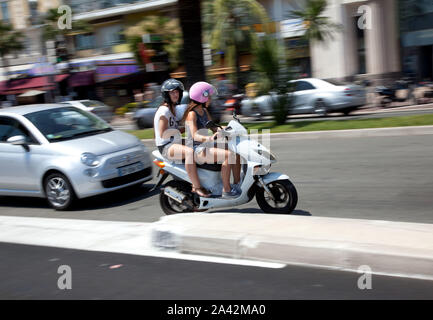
[164,111]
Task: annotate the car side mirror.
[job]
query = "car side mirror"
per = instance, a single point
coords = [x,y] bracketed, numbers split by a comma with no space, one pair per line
[18,141]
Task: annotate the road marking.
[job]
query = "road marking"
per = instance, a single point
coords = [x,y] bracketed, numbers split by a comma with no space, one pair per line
[102,236]
[386,274]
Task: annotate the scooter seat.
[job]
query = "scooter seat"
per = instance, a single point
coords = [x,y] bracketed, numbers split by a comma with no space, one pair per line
[205,166]
[210,166]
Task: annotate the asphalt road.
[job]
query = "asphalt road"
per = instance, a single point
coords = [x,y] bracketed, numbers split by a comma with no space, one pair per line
[32,272]
[385,178]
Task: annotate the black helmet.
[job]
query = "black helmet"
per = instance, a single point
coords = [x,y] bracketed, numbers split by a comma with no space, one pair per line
[170,85]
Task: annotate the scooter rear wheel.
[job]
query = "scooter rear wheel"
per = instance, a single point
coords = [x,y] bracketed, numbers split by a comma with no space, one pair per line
[285,195]
[170,206]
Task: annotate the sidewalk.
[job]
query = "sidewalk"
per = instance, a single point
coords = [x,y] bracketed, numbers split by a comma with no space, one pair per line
[390,248]
[266,240]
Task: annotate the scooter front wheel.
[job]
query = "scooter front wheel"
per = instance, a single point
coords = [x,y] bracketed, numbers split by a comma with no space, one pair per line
[284,197]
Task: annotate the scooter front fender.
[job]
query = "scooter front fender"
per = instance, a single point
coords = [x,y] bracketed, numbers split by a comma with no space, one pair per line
[274,176]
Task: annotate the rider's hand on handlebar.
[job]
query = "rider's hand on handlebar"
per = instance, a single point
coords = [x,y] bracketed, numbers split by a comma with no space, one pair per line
[214,136]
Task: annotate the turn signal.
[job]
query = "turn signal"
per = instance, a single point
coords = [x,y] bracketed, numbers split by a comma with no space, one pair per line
[160,164]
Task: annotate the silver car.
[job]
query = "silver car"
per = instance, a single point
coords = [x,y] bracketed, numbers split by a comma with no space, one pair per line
[64,153]
[311,96]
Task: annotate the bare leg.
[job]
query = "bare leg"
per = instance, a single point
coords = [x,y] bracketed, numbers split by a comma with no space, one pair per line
[236,169]
[179,152]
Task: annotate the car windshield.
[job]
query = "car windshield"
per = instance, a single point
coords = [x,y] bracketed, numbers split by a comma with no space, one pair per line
[67,123]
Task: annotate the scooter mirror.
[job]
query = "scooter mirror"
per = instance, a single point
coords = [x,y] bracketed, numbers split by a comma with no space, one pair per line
[211,124]
[235,116]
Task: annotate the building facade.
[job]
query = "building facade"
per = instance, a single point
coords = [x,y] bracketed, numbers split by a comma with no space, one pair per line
[367,46]
[416,32]
[378,40]
[100,64]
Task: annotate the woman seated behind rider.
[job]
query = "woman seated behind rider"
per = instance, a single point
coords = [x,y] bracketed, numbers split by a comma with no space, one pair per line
[196,116]
[167,134]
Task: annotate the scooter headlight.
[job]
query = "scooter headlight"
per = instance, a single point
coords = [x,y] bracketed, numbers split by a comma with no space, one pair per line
[261,170]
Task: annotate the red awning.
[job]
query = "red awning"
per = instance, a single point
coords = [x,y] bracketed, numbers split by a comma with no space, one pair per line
[61,77]
[18,86]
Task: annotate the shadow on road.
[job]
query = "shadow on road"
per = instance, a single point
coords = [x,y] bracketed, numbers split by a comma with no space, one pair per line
[23,202]
[109,200]
[258,211]
[116,198]
[301,213]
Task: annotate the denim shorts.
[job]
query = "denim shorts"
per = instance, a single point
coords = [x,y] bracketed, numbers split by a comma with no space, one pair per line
[164,149]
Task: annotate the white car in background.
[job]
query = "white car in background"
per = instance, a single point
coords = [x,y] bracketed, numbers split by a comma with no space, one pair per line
[94,106]
[312,96]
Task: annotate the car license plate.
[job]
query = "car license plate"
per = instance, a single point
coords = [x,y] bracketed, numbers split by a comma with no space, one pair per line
[131,168]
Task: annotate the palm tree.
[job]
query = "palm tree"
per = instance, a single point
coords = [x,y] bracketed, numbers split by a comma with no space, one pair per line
[169,28]
[272,73]
[10,41]
[51,31]
[317,27]
[234,31]
[190,21]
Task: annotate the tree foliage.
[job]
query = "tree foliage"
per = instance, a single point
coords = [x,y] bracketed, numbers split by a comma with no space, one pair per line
[233,29]
[271,68]
[318,28]
[51,31]
[10,41]
[168,28]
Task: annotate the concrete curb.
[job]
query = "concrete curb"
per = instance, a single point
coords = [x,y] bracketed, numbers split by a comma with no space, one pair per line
[392,248]
[352,133]
[356,133]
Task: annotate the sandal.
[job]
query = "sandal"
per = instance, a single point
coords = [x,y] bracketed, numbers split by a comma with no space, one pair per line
[201,192]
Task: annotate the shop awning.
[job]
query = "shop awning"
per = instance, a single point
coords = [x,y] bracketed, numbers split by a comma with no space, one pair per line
[85,78]
[31,93]
[19,86]
[108,70]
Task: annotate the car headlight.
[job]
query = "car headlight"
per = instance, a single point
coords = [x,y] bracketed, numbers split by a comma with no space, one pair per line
[89,159]
[142,147]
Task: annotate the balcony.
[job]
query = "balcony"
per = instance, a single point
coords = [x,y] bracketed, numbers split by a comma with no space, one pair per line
[85,10]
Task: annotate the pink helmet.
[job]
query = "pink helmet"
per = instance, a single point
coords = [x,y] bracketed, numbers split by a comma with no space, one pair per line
[200,91]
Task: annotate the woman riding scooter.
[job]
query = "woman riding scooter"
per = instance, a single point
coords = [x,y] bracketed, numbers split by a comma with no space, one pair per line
[167,134]
[196,116]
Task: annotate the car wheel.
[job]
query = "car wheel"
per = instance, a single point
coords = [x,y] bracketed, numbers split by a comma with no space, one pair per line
[320,108]
[59,191]
[346,112]
[141,124]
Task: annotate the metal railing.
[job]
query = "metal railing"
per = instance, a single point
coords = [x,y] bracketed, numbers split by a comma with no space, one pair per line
[86,6]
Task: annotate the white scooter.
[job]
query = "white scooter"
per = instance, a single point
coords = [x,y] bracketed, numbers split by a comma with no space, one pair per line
[274,192]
